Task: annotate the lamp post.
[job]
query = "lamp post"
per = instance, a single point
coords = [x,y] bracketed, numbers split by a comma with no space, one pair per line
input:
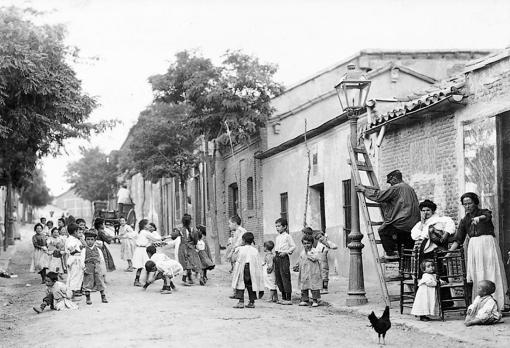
[352,93]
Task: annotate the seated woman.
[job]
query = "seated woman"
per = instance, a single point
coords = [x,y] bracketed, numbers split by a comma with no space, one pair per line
[433,231]
[432,234]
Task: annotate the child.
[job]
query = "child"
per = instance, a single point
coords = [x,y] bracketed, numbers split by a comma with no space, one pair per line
[268,271]
[284,247]
[127,238]
[73,248]
[322,245]
[144,239]
[247,272]
[55,250]
[40,258]
[485,309]
[57,295]
[62,231]
[91,258]
[204,253]
[230,251]
[425,301]
[309,268]
[188,256]
[160,266]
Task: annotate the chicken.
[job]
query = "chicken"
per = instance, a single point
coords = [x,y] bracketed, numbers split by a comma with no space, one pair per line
[381,325]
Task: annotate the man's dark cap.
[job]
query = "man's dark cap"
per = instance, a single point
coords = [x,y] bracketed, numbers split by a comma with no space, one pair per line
[396,173]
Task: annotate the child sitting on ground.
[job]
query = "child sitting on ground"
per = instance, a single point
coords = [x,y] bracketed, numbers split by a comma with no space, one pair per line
[310,277]
[91,260]
[268,271]
[160,266]
[247,272]
[204,253]
[484,310]
[425,301]
[57,295]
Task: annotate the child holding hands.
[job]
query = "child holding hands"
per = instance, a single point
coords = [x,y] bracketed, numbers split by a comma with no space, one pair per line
[484,310]
[310,277]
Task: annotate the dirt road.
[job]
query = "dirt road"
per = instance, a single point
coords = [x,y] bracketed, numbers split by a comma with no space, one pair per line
[194,316]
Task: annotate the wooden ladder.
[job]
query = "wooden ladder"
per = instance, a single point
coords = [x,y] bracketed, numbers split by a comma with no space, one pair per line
[365,165]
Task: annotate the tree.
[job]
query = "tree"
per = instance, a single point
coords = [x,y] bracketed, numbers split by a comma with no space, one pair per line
[34,193]
[226,102]
[41,100]
[94,175]
[163,146]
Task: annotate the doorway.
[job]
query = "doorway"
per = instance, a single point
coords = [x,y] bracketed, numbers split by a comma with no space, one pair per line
[317,207]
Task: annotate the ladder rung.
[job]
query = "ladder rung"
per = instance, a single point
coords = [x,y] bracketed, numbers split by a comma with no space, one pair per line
[394,297]
[359,150]
[376,223]
[385,260]
[378,241]
[372,204]
[392,279]
[365,167]
[371,187]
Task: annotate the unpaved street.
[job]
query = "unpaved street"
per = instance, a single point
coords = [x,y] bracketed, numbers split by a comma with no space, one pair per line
[192,316]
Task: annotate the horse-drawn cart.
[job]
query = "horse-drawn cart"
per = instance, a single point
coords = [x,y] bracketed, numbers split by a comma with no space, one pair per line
[112,217]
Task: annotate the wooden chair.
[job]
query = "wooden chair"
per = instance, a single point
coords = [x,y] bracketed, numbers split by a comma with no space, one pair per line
[409,269]
[451,274]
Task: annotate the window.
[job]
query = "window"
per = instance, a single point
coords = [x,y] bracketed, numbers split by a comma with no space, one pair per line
[233,200]
[284,205]
[346,184]
[249,192]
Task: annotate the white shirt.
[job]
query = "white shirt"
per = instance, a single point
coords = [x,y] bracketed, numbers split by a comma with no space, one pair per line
[421,230]
[145,238]
[123,196]
[284,243]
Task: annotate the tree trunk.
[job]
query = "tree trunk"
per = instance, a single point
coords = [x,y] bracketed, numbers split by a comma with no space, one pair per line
[9,232]
[184,206]
[211,202]
[24,213]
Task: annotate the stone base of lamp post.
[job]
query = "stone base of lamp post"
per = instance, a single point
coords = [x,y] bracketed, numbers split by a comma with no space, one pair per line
[356,293]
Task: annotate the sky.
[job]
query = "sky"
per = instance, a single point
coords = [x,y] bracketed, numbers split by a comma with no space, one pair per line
[123,42]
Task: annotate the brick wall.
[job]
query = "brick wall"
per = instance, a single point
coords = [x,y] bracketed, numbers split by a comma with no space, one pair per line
[424,151]
[236,169]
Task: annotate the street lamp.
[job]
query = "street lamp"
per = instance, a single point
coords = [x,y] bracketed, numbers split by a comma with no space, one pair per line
[352,93]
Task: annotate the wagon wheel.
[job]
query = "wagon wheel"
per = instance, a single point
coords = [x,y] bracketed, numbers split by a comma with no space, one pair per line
[131,218]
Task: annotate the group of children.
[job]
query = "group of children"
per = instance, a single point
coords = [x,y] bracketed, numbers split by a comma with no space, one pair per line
[254,275]
[483,311]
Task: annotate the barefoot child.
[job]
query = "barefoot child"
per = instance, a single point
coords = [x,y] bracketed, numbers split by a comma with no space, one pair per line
[268,271]
[485,309]
[91,259]
[309,268]
[57,295]
[247,272]
[160,266]
[425,301]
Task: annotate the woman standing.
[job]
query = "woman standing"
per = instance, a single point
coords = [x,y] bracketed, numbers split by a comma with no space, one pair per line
[484,260]
[188,255]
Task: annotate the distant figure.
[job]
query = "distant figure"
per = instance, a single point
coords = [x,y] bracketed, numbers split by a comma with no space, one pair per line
[123,197]
[401,212]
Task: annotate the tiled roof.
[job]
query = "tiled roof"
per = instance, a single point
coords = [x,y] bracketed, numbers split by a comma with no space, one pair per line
[438,94]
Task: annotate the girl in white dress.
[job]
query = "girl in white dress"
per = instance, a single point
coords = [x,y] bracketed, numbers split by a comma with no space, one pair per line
[425,301]
[127,238]
[146,236]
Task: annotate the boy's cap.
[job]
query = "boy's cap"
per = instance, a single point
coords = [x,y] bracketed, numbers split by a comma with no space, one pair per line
[90,233]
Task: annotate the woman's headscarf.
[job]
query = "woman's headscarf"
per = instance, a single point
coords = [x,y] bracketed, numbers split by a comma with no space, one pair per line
[472,195]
